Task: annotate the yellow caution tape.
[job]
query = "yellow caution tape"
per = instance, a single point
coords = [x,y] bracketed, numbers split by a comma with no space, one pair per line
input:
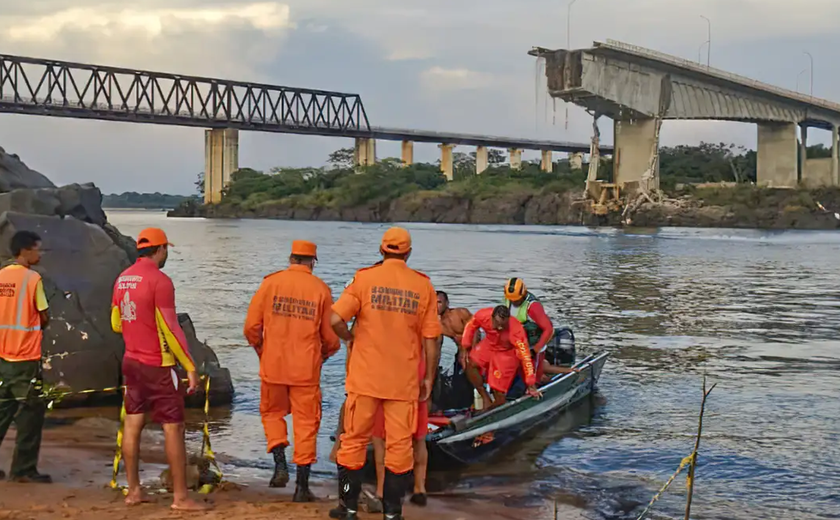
[118,453]
[206,450]
[685,462]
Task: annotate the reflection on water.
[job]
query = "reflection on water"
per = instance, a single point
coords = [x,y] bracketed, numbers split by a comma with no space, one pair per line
[758,312]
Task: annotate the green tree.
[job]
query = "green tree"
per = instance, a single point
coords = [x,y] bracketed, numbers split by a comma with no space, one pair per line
[342,158]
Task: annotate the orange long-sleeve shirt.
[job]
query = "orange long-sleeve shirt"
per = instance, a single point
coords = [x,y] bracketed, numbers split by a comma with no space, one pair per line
[289,321]
[513,338]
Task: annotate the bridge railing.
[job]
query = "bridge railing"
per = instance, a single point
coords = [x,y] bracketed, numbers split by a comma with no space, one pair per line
[47,87]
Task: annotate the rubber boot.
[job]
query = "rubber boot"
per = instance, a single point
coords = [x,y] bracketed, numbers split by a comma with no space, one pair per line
[349,489]
[281,468]
[393,493]
[302,491]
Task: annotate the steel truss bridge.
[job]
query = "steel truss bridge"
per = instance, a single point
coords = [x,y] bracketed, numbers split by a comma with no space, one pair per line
[76,90]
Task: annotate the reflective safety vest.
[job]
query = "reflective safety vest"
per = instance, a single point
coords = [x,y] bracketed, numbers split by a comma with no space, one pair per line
[533,331]
[20,321]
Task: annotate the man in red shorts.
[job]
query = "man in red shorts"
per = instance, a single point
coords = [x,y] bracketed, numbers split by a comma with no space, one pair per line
[143,311]
[421,454]
[497,357]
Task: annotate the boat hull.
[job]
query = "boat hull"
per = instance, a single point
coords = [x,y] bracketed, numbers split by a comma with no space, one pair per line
[479,438]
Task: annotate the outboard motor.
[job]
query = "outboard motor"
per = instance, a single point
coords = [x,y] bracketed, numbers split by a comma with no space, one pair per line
[561,349]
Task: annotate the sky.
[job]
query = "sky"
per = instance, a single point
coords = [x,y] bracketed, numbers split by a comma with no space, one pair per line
[445,65]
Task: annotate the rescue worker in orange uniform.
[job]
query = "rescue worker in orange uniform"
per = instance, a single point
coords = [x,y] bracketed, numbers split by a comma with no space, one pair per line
[496,358]
[421,453]
[396,321]
[288,324]
[143,311]
[23,316]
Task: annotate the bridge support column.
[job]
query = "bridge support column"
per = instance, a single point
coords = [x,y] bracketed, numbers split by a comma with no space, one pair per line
[803,152]
[407,153]
[482,159]
[835,156]
[576,161]
[515,159]
[635,144]
[364,153]
[446,165]
[221,159]
[545,164]
[776,156]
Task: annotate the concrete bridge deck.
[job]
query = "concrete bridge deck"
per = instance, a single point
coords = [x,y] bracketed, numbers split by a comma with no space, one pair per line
[639,88]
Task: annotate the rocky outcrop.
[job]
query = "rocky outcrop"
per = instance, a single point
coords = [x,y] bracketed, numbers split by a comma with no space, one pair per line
[83,255]
[14,174]
[741,206]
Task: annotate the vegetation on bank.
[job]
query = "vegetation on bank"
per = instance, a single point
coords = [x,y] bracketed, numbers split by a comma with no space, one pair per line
[136,200]
[341,185]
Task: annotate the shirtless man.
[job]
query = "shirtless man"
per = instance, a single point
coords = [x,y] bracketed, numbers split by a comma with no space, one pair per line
[452,321]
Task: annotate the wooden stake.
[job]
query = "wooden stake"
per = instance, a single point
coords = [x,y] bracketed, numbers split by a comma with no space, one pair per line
[696,448]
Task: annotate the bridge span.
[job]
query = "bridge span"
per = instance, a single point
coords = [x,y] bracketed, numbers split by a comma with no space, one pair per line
[224,107]
[639,88]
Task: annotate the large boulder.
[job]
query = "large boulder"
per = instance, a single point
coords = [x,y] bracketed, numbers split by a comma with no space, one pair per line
[83,256]
[14,174]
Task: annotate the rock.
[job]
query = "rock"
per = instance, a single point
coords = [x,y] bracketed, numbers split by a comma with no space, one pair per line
[83,256]
[14,174]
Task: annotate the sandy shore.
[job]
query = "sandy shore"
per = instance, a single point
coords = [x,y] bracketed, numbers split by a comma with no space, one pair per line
[79,455]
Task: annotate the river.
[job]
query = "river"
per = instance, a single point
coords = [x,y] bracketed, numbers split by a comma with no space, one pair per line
[757,312]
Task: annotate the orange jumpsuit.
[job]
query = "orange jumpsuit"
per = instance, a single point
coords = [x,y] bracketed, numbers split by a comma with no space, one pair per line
[496,355]
[395,308]
[289,324]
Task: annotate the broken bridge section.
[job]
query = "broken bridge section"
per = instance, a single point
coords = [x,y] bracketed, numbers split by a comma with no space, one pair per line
[639,88]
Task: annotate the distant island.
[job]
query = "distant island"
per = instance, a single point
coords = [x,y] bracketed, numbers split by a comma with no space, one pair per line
[708,185]
[134,200]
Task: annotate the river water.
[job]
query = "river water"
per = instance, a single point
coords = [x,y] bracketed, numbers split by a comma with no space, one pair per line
[757,312]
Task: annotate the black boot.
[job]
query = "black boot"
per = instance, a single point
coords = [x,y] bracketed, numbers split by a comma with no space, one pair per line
[302,491]
[281,469]
[349,488]
[393,493]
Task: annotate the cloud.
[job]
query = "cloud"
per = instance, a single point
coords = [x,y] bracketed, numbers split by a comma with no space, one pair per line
[110,21]
[439,78]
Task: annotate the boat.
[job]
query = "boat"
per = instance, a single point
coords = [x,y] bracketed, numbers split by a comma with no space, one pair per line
[461,438]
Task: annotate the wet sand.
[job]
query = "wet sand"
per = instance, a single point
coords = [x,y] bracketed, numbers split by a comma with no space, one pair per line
[79,457]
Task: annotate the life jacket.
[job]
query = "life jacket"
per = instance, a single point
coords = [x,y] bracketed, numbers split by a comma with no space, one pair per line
[533,331]
[20,321]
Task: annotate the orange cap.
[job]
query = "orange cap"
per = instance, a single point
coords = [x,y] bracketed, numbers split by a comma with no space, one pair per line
[396,240]
[305,248]
[151,237]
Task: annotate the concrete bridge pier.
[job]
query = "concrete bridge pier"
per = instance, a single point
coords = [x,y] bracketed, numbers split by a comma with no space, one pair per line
[515,158]
[576,161]
[635,144]
[364,153]
[546,164]
[482,159]
[835,156]
[776,155]
[407,153]
[446,165]
[221,159]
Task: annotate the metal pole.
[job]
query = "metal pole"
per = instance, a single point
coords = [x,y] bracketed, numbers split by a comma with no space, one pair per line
[812,72]
[709,52]
[799,76]
[700,61]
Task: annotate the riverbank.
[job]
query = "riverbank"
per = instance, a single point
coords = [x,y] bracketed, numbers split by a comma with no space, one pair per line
[78,454]
[742,206]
